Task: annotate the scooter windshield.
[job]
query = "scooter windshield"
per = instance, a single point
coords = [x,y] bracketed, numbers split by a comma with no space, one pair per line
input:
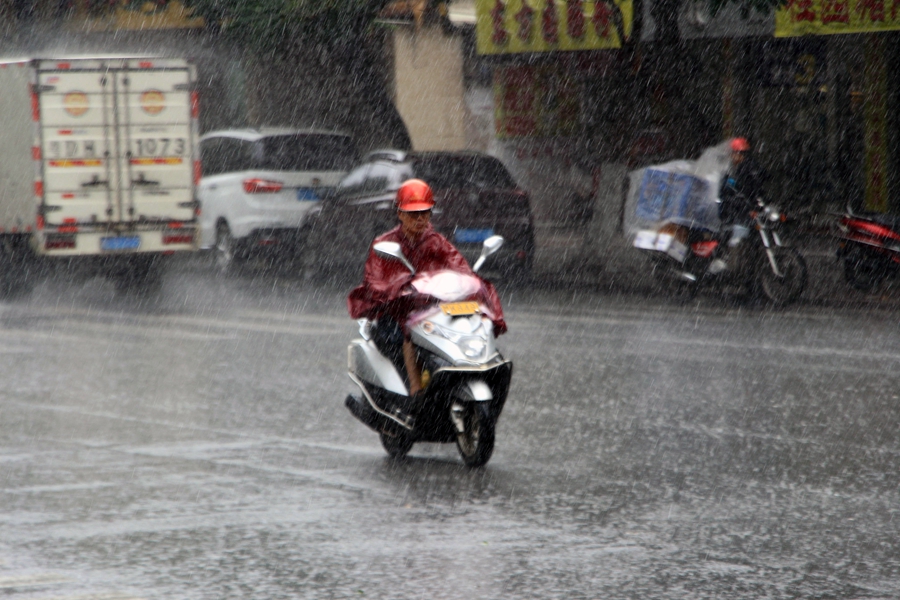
[447,286]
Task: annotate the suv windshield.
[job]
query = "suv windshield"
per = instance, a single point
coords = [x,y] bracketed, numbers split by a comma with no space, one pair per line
[462,172]
[307,152]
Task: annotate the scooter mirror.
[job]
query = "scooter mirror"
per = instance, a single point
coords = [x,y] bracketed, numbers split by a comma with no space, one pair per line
[392,251]
[491,245]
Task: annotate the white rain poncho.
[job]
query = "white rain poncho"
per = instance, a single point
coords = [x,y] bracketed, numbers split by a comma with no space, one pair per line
[683,192]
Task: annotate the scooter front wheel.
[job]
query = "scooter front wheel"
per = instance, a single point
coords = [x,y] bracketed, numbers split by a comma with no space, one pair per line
[397,446]
[476,442]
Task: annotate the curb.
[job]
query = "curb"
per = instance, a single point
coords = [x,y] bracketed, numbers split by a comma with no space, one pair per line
[625,270]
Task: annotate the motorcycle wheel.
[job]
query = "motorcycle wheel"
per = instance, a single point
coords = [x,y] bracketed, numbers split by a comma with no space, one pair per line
[672,286]
[783,290]
[476,443]
[861,273]
[397,446]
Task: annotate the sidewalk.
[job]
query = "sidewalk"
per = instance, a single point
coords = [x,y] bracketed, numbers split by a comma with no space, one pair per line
[623,269]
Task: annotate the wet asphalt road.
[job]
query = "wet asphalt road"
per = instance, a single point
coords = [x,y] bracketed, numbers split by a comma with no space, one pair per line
[194,445]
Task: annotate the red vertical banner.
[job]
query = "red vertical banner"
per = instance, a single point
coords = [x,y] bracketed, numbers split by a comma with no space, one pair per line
[514,92]
[875,78]
[535,101]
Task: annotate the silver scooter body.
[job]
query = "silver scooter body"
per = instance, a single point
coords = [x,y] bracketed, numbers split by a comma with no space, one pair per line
[462,363]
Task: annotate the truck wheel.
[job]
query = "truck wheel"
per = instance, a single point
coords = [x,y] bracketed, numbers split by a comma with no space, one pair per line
[141,274]
[224,249]
[19,271]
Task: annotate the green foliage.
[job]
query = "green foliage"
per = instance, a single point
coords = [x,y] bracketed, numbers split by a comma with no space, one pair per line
[274,24]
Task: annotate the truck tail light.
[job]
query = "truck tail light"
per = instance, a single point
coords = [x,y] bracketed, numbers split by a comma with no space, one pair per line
[262,186]
[181,237]
[57,241]
[177,234]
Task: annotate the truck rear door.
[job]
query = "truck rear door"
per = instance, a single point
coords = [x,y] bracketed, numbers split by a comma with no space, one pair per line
[77,122]
[154,103]
[117,143]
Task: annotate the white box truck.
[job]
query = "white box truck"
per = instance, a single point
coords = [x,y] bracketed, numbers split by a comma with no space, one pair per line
[97,163]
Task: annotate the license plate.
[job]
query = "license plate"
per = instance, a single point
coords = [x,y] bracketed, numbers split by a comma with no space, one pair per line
[460,309]
[472,236]
[307,195]
[131,242]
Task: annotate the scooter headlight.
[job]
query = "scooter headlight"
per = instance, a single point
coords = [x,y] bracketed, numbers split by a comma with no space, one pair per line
[472,347]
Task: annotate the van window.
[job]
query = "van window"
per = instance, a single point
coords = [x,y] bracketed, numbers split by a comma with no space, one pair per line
[212,157]
[463,172]
[306,152]
[225,155]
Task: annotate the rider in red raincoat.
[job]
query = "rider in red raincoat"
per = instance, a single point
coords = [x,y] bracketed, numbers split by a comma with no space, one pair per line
[384,281]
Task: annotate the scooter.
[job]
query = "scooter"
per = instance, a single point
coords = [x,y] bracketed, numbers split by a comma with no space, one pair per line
[869,246]
[465,378]
[685,258]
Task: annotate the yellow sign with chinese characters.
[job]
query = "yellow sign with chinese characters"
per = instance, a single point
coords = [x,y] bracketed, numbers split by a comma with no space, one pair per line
[823,17]
[515,26]
[134,15]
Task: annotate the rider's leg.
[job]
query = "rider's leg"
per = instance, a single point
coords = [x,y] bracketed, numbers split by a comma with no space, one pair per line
[412,367]
[388,338]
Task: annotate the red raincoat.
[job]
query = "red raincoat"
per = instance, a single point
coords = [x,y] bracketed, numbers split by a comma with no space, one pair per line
[384,280]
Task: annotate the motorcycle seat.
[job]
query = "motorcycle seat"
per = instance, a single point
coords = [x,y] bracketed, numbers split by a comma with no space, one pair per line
[890,221]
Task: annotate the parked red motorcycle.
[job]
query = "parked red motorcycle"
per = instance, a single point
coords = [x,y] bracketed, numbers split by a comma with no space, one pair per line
[869,248]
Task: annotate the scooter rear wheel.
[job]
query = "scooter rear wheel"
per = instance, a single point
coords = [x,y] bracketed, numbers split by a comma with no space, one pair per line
[397,446]
[476,443]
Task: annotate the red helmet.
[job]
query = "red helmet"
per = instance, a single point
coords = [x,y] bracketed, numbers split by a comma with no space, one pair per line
[740,144]
[414,195]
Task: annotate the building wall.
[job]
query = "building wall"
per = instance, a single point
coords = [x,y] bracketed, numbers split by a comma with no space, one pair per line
[219,65]
[428,87]
[812,116]
[237,89]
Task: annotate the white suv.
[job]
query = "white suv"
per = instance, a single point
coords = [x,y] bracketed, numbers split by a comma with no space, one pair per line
[258,186]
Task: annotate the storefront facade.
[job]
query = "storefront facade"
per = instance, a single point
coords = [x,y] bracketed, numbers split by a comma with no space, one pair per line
[816,97]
